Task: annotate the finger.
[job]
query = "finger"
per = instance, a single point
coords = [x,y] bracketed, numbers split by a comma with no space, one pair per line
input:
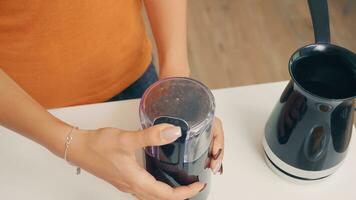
[146,186]
[122,187]
[160,190]
[217,154]
[218,139]
[189,191]
[216,166]
[155,136]
[138,197]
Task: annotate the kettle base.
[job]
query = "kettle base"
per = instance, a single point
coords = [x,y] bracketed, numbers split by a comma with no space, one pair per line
[291,173]
[289,177]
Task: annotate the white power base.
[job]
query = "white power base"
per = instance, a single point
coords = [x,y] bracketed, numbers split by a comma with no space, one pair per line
[291,173]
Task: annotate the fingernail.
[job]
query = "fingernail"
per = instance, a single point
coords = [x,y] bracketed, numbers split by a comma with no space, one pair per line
[171,133]
[221,171]
[216,156]
[207,164]
[203,187]
[217,168]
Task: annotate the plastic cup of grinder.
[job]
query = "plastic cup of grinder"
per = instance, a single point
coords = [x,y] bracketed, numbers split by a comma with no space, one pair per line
[190,105]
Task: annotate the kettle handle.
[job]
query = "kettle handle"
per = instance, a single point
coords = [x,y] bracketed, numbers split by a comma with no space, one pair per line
[320,18]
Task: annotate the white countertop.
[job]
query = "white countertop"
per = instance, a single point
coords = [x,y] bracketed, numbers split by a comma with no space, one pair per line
[30,172]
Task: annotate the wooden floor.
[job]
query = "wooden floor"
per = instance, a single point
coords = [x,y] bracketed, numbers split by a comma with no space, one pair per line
[243,42]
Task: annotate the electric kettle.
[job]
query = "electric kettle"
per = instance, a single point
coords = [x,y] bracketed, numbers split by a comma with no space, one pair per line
[308,133]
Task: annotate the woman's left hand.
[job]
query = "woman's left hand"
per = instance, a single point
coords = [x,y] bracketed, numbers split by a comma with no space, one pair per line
[217,150]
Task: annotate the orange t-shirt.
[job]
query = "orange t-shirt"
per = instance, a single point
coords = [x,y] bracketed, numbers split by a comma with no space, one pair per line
[65,52]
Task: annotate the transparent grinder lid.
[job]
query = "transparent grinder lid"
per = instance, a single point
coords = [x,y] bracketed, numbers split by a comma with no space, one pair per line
[182,102]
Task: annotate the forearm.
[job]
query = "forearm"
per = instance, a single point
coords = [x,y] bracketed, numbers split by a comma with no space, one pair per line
[169,26]
[21,113]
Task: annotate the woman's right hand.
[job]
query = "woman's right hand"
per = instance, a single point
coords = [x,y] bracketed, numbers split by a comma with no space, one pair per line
[109,154]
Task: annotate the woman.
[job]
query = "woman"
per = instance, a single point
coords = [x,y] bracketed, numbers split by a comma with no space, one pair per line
[63,53]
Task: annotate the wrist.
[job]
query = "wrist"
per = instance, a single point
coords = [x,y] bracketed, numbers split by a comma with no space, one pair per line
[174,69]
[56,143]
[77,148]
[55,137]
